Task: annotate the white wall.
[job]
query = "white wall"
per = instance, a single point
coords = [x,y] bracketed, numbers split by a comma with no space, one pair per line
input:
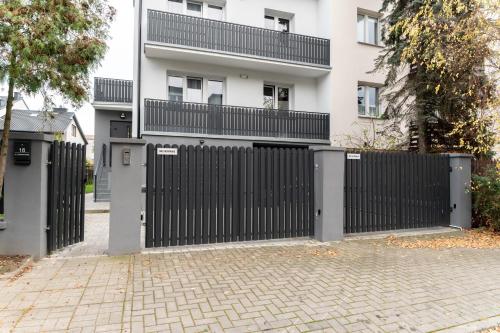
[351,63]
[239,91]
[335,92]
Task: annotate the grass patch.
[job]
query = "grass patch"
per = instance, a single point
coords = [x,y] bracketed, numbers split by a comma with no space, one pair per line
[89,188]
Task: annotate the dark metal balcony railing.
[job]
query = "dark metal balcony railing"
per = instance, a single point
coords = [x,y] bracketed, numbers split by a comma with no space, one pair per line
[197,118]
[234,38]
[112,90]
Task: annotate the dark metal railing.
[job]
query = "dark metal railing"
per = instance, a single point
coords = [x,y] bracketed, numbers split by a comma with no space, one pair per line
[197,118]
[113,90]
[196,32]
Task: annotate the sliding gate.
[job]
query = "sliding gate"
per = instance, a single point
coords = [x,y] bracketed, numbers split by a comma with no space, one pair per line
[396,190]
[197,195]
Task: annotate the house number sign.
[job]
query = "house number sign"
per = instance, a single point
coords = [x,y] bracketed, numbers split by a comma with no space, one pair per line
[353,156]
[166,151]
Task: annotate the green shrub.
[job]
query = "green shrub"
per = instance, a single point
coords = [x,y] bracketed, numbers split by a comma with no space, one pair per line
[486,198]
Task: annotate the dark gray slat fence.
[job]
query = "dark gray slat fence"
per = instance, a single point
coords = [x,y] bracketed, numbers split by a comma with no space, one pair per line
[66,195]
[223,194]
[196,32]
[396,190]
[113,90]
[184,117]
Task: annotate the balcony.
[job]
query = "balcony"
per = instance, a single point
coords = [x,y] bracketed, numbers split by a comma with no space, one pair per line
[161,117]
[189,38]
[112,91]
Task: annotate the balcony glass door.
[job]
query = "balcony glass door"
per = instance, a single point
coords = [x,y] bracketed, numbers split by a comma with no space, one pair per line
[175,88]
[195,9]
[215,92]
[215,13]
[282,102]
[268,97]
[283,98]
[194,91]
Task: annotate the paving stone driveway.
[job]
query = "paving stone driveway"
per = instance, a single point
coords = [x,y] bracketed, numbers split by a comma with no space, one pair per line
[296,286]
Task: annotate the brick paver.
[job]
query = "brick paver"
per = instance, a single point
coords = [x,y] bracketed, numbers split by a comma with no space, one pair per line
[353,286]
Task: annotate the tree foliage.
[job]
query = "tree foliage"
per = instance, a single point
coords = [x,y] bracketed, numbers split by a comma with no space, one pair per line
[442,70]
[50,45]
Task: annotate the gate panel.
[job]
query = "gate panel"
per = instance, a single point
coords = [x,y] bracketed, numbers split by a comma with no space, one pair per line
[395,190]
[66,195]
[208,195]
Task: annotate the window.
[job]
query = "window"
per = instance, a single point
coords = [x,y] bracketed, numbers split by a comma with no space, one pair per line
[175,88]
[194,92]
[195,9]
[283,100]
[268,97]
[73,130]
[276,23]
[175,6]
[368,29]
[283,25]
[195,89]
[215,13]
[368,101]
[215,92]
[269,22]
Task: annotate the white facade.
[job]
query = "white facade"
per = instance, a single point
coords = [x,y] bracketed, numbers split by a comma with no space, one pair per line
[352,62]
[329,89]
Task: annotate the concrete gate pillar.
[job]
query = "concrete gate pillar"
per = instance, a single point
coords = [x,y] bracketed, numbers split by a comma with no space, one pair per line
[24,229]
[329,165]
[126,197]
[460,194]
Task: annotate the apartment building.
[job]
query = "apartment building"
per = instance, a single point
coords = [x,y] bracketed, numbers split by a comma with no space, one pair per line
[246,73]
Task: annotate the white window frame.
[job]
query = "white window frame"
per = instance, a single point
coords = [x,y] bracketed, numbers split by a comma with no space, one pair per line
[276,15]
[366,100]
[204,85]
[367,16]
[204,8]
[276,87]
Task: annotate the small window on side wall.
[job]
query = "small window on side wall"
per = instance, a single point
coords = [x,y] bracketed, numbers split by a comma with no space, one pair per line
[368,29]
[368,101]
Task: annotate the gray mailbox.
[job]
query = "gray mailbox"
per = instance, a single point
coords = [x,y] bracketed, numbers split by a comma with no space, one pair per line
[22,152]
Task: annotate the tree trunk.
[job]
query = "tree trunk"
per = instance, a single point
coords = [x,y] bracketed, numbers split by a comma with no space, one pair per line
[6,131]
[422,133]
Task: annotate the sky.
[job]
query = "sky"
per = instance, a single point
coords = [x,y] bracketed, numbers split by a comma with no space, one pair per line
[117,64]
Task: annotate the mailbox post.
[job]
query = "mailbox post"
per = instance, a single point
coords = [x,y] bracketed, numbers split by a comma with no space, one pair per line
[24,230]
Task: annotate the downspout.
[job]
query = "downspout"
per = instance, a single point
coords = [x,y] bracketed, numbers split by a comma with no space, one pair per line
[139,76]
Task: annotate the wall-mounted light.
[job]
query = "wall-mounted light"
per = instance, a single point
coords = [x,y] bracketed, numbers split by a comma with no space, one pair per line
[122,115]
[244,76]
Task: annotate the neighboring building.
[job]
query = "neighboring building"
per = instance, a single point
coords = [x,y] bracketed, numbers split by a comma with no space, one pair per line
[113,118]
[245,73]
[90,148]
[59,122]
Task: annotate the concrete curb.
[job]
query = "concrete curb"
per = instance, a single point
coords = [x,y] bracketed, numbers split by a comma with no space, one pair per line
[8,276]
[474,326]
